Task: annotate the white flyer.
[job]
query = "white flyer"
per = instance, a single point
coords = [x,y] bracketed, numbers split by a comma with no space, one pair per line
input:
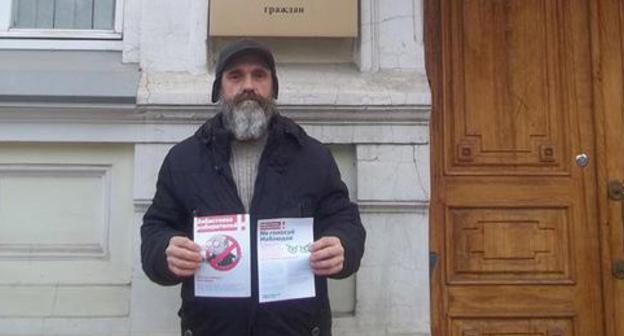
[284,271]
[225,269]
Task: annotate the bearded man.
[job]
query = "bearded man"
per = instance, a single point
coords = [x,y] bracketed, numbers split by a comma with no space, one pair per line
[249,159]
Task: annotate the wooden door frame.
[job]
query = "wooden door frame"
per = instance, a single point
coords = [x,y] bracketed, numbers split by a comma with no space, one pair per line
[607,38]
[433,65]
[607,49]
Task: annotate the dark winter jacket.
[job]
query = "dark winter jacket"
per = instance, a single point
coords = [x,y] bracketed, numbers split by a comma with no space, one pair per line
[297,177]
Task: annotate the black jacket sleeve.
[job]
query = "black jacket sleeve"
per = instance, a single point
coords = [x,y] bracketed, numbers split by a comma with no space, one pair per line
[341,218]
[161,222]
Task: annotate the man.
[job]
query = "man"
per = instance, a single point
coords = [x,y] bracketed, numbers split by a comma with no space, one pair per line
[250,159]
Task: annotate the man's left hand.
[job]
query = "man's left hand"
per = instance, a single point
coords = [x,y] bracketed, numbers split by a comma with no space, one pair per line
[327,256]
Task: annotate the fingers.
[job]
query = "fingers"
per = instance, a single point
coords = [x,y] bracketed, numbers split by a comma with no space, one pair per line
[328,267]
[327,271]
[324,242]
[184,242]
[182,264]
[183,257]
[182,254]
[326,248]
[327,256]
[326,253]
[181,272]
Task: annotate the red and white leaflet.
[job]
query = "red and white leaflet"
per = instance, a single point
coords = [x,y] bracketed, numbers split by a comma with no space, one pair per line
[225,270]
[284,271]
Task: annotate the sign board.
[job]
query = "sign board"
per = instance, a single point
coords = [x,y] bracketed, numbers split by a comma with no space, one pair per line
[311,18]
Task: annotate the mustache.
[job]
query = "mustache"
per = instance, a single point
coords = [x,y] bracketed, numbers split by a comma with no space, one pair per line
[243,96]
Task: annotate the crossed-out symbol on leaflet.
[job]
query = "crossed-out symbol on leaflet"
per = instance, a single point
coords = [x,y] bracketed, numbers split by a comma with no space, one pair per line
[222,252]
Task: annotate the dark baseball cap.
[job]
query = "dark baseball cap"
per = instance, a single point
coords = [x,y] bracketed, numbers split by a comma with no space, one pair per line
[236,49]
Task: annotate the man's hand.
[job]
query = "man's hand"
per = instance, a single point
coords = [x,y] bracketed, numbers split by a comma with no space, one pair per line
[183,256]
[327,256]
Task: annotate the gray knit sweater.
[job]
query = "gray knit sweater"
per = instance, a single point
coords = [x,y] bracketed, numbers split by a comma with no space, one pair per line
[244,161]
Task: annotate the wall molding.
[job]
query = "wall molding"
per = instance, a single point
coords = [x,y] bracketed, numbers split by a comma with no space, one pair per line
[383,206]
[330,115]
[141,204]
[175,114]
[366,206]
[62,251]
[50,252]
[380,124]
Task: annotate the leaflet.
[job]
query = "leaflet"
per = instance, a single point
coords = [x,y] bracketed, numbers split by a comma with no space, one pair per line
[284,271]
[225,269]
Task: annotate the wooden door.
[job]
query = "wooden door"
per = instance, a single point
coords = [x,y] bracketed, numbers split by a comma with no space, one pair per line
[514,219]
[608,32]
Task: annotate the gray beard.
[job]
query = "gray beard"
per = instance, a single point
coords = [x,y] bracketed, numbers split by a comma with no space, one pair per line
[247,120]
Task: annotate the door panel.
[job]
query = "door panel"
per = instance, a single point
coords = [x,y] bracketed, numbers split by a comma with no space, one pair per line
[514,218]
[508,245]
[508,85]
[520,327]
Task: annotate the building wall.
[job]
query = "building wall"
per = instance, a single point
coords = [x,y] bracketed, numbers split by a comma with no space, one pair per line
[366,97]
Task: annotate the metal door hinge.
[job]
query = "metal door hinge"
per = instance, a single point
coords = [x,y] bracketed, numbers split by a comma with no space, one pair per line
[618,269]
[616,190]
[433,261]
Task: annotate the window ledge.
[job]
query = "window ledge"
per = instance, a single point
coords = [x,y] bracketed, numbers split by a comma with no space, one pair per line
[59,44]
[71,34]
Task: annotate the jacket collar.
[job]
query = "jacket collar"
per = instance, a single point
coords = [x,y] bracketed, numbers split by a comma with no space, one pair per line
[285,137]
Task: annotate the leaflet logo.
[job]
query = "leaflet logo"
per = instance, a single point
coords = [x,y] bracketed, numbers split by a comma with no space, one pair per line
[267,226]
[211,220]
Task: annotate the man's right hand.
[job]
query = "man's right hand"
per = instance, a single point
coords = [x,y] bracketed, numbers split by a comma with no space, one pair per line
[183,257]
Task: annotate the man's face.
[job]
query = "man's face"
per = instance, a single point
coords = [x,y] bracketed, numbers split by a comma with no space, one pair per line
[247,98]
[247,74]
